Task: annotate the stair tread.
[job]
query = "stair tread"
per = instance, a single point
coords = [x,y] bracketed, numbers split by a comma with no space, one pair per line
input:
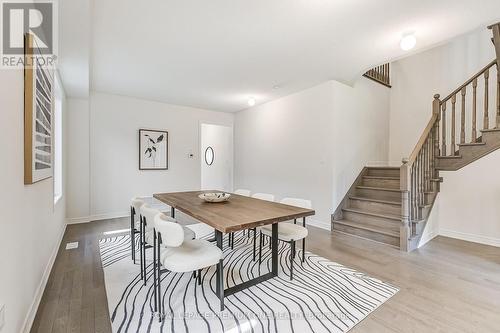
[381,177]
[379,188]
[357,225]
[450,157]
[376,200]
[472,144]
[383,167]
[365,212]
[491,130]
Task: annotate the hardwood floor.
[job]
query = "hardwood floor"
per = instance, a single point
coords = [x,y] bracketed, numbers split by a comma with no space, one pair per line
[446,286]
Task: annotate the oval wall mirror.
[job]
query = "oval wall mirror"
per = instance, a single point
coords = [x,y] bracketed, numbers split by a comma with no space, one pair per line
[209,156]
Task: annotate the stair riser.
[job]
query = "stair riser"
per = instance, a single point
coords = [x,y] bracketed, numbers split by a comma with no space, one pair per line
[367,234]
[383,172]
[375,207]
[385,183]
[378,194]
[378,222]
[494,136]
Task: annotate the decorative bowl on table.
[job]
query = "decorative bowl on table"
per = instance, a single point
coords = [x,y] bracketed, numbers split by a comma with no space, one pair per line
[214,196]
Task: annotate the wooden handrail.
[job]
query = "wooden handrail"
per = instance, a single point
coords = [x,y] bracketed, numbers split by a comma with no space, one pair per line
[459,89]
[423,138]
[425,133]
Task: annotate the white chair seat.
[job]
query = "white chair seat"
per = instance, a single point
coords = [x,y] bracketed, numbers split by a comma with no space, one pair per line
[287,231]
[190,256]
[201,230]
[188,235]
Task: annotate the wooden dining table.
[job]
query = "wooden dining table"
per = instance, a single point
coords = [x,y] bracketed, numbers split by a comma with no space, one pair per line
[238,213]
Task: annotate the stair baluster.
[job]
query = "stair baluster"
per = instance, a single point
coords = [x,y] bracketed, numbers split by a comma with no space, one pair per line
[443,139]
[486,121]
[453,125]
[498,100]
[462,116]
[474,110]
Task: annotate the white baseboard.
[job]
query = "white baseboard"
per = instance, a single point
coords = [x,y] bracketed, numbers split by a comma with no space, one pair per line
[375,164]
[312,222]
[86,219]
[76,220]
[319,224]
[30,317]
[106,216]
[470,237]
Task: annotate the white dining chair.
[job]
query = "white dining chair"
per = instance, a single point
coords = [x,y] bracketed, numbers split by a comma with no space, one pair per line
[263,196]
[147,232]
[245,193]
[289,232]
[260,196]
[201,230]
[135,224]
[175,253]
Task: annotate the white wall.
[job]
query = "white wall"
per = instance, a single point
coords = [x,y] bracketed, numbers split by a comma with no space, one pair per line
[112,130]
[470,202]
[416,79]
[312,144]
[78,182]
[31,225]
[360,132]
[469,199]
[218,175]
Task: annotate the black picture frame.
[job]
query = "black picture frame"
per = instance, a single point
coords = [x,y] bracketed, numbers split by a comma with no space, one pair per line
[153,149]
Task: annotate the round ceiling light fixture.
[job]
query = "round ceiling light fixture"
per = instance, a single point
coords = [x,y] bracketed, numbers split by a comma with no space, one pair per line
[408,42]
[251,101]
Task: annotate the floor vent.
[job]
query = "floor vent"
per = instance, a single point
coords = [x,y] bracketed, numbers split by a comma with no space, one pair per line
[70,246]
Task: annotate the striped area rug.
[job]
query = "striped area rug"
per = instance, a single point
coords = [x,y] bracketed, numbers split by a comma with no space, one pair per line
[323,296]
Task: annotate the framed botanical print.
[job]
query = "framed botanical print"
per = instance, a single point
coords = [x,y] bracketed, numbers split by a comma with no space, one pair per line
[38,114]
[153,149]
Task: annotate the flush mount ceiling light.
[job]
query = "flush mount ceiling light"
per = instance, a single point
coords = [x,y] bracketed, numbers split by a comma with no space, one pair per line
[408,42]
[251,101]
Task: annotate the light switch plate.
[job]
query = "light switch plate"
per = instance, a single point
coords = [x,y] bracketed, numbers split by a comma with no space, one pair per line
[72,245]
[2,316]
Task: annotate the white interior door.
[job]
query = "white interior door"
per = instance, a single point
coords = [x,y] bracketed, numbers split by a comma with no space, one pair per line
[216,157]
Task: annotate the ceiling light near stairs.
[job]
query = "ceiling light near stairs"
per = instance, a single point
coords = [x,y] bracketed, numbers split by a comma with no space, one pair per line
[408,42]
[251,101]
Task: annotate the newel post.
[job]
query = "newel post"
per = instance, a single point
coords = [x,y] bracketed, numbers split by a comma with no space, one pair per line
[405,206]
[495,29]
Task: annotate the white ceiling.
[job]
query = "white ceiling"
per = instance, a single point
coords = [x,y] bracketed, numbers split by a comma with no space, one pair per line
[215,54]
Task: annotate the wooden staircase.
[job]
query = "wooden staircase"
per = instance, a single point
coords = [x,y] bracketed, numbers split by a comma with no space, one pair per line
[391,205]
[372,208]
